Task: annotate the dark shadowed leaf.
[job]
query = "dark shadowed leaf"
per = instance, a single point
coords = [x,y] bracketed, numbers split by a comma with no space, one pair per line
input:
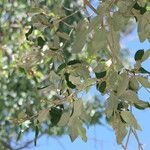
[139,54]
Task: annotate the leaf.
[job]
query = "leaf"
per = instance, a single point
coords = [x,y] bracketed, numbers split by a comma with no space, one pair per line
[73,128]
[113,38]
[19,136]
[133,84]
[55,115]
[40,41]
[98,41]
[144,81]
[61,67]
[143,26]
[128,117]
[146,55]
[75,80]
[100,74]
[138,55]
[119,127]
[111,105]
[78,108]
[129,96]
[142,70]
[85,117]
[123,83]
[40,21]
[101,86]
[138,7]
[82,133]
[81,35]
[69,83]
[29,32]
[142,105]
[43,114]
[73,62]
[64,119]
[76,129]
[36,134]
[63,35]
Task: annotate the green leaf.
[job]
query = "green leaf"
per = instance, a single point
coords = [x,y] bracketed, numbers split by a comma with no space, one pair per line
[101,86]
[81,35]
[85,117]
[139,54]
[143,26]
[29,32]
[64,119]
[146,55]
[141,9]
[36,134]
[123,83]
[73,62]
[119,127]
[73,124]
[75,80]
[69,83]
[82,133]
[144,81]
[55,115]
[100,74]
[40,41]
[98,42]
[63,35]
[42,115]
[113,39]
[19,136]
[77,108]
[133,84]
[128,117]
[129,96]
[142,105]
[111,105]
[40,21]
[142,70]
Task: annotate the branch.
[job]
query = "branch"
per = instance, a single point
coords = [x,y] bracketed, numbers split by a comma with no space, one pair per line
[6,145]
[27,143]
[89,5]
[128,138]
[137,139]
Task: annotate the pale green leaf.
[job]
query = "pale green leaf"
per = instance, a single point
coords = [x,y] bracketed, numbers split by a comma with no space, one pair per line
[123,83]
[119,127]
[111,105]
[141,104]
[134,85]
[82,133]
[144,81]
[64,119]
[74,80]
[78,107]
[146,55]
[81,36]
[129,96]
[42,115]
[63,35]
[129,118]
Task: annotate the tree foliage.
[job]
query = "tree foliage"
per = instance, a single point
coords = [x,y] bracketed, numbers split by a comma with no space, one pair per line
[53,50]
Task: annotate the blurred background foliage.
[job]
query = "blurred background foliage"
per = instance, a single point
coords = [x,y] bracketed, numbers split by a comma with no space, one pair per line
[18,88]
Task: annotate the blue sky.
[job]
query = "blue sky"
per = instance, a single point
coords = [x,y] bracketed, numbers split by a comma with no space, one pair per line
[103,137]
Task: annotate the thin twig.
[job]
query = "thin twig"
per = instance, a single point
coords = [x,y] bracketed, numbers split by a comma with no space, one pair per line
[86,2]
[128,137]
[137,139]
